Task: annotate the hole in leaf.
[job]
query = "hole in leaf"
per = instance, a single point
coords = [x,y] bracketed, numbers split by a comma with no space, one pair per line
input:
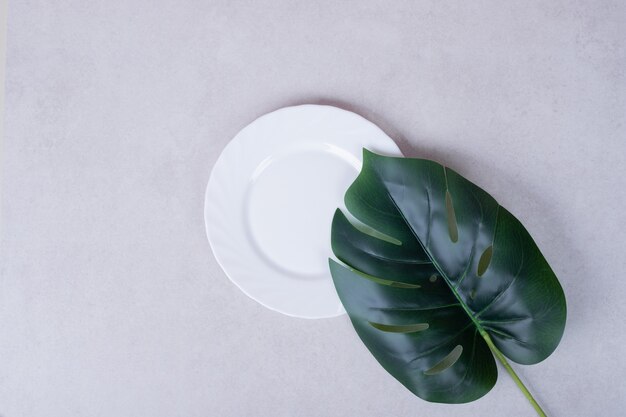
[406,328]
[399,284]
[452,226]
[368,230]
[472,294]
[433,278]
[385,281]
[485,260]
[446,362]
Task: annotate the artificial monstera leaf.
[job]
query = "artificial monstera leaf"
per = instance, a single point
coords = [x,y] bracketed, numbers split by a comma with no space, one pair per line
[438,278]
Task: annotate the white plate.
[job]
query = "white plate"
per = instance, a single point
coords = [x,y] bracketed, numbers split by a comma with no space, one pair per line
[271,198]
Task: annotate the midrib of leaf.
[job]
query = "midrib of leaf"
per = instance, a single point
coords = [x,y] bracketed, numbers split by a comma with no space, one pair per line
[450,286]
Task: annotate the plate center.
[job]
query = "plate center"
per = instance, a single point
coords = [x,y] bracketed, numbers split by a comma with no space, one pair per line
[289,197]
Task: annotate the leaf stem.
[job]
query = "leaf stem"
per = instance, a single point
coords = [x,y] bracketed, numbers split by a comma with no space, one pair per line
[511,372]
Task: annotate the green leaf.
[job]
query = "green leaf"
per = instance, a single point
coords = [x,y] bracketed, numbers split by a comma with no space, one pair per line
[440,279]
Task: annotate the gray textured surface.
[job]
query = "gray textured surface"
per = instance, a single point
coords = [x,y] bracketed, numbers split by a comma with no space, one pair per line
[111,303]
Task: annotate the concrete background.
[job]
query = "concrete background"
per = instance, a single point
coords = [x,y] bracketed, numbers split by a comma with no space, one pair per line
[111,303]
[3,33]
